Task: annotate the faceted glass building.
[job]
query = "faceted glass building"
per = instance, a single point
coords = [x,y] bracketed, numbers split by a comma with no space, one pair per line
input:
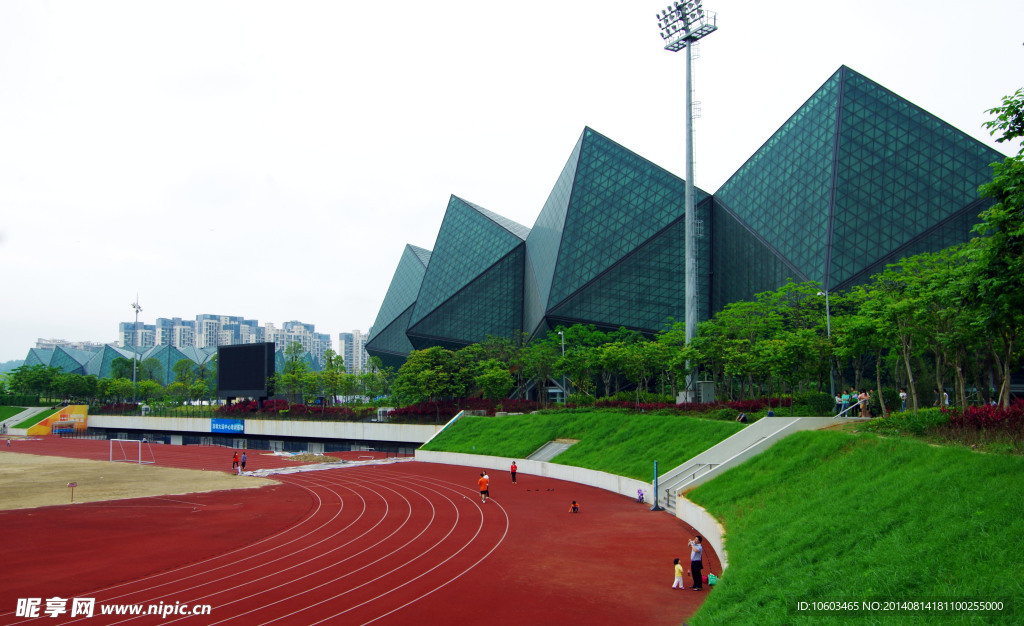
[388,340]
[856,179]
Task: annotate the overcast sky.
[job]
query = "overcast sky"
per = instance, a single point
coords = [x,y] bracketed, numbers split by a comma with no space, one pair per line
[272,159]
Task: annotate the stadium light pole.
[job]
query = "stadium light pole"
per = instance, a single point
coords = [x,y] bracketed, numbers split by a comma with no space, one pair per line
[682,24]
[135,341]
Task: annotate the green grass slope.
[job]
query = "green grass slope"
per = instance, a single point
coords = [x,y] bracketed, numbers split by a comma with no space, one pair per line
[834,517]
[626,444]
[35,419]
[7,412]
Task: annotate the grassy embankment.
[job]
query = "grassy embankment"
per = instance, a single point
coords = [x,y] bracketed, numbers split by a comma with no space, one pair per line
[831,516]
[7,412]
[626,444]
[35,419]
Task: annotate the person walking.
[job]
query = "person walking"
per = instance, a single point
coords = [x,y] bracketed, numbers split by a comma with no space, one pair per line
[514,469]
[696,561]
[483,488]
[678,584]
[234,460]
[243,461]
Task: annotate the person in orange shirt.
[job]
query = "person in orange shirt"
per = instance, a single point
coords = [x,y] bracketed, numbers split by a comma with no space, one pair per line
[234,461]
[575,507]
[483,487]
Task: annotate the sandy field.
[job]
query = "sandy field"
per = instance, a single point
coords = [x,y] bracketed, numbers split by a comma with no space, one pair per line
[29,480]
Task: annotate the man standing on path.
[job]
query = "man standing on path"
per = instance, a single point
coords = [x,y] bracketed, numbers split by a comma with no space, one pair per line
[696,562]
[483,487]
[514,470]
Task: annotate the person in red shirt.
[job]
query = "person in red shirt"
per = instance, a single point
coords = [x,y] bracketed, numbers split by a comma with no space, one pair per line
[483,487]
[234,461]
[514,470]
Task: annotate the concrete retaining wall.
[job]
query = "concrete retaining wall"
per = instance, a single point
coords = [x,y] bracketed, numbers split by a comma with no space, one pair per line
[359,431]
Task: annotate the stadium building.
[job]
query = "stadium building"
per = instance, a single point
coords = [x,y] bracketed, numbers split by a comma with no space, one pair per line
[857,178]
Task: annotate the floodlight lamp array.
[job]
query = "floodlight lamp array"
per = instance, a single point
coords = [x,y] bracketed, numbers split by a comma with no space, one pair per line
[683,22]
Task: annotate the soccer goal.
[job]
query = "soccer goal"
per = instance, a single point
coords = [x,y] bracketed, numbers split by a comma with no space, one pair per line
[131,451]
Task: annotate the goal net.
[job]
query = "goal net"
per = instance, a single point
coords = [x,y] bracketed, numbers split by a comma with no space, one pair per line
[131,451]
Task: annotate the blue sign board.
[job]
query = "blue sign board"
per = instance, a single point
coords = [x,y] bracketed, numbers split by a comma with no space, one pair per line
[233,427]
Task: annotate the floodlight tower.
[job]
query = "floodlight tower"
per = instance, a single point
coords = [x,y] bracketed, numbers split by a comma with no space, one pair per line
[683,24]
[135,341]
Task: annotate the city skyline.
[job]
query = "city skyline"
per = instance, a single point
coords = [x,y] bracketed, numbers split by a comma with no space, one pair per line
[277,159]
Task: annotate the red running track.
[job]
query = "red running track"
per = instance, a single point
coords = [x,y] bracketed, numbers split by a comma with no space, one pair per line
[382,544]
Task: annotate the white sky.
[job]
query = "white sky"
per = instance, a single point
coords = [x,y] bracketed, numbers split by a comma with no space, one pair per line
[272,159]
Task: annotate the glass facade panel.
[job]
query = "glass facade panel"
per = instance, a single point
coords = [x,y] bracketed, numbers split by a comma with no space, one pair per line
[469,243]
[405,286]
[900,172]
[783,192]
[642,291]
[489,305]
[619,200]
[543,243]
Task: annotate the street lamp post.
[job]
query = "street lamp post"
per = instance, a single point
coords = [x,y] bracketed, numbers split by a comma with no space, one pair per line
[683,24]
[828,331]
[565,391]
[135,342]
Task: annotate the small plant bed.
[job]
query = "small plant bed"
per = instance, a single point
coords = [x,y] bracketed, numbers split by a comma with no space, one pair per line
[983,428]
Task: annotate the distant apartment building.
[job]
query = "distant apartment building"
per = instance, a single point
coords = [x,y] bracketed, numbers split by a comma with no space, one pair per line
[210,331]
[298,332]
[351,347]
[136,334]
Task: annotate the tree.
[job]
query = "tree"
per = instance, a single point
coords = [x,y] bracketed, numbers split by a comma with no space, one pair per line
[120,389]
[292,379]
[1000,290]
[151,369]
[179,391]
[494,380]
[185,372]
[433,374]
[33,379]
[1009,122]
[122,368]
[333,376]
[539,360]
[148,389]
[890,301]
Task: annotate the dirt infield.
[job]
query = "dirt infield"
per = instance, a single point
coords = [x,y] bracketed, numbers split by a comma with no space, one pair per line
[395,543]
[31,480]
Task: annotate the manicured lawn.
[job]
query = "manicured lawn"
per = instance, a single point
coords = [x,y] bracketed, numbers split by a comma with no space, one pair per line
[626,444]
[35,419]
[7,412]
[830,516]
